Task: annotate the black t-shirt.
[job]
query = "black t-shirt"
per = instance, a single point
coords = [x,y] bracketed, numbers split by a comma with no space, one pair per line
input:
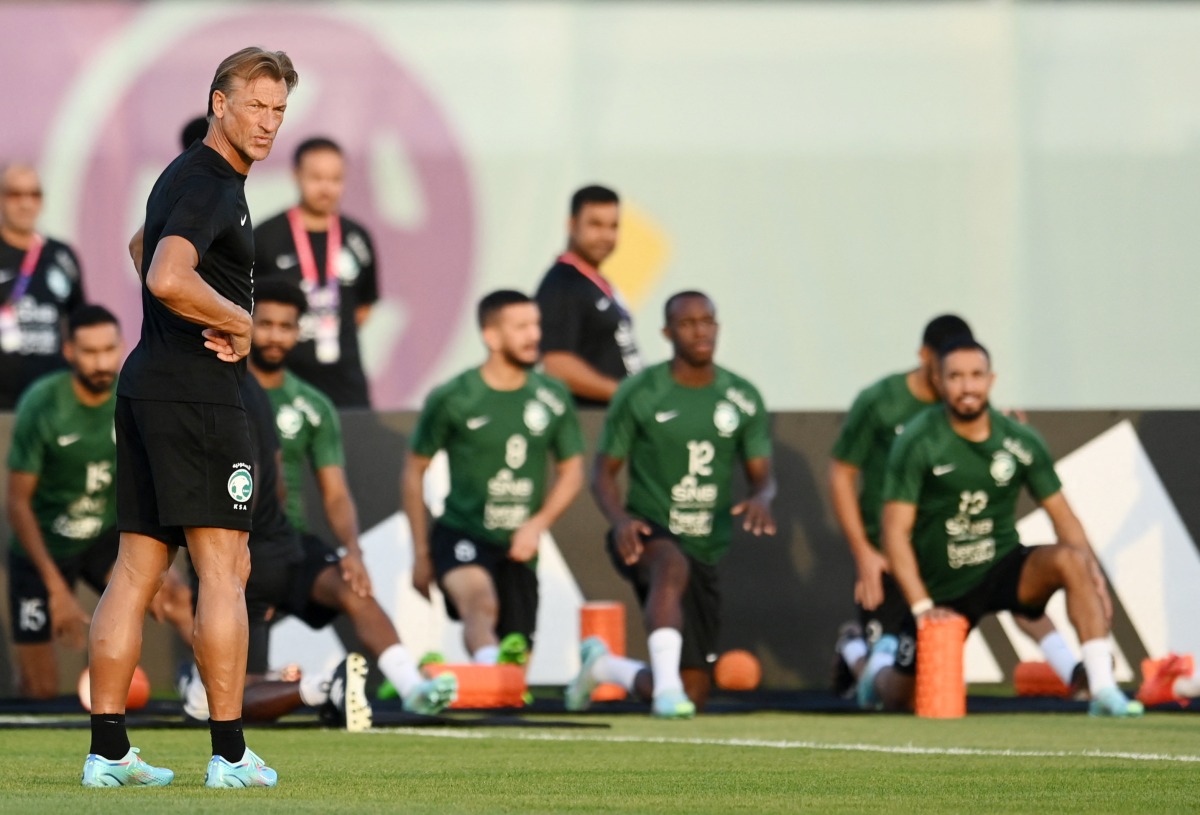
[54,290]
[580,317]
[273,540]
[200,198]
[343,379]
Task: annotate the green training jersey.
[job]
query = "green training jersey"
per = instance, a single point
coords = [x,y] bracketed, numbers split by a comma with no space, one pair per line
[682,444]
[966,495]
[310,434]
[72,449]
[876,418]
[497,443]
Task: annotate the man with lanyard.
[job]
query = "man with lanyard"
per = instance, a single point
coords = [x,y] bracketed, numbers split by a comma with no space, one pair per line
[39,286]
[682,425]
[587,333]
[332,259]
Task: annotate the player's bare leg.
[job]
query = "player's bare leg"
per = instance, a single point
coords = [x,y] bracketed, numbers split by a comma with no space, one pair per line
[697,684]
[668,572]
[37,670]
[222,561]
[371,623]
[472,591]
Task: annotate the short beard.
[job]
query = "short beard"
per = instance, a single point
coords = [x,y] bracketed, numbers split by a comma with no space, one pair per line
[92,386]
[969,417]
[512,359]
[264,365]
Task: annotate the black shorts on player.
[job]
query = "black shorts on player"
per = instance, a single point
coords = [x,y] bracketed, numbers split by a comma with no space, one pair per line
[181,466]
[888,617]
[998,592]
[516,583]
[28,598]
[701,602]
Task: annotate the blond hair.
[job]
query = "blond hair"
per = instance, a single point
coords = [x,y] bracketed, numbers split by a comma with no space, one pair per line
[250,64]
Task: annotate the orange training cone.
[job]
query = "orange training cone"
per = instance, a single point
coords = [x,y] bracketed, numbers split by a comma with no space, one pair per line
[606,620]
[941,692]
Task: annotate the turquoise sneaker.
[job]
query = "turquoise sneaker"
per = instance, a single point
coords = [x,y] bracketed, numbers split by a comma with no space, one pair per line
[251,771]
[432,695]
[127,771]
[868,698]
[672,704]
[1111,702]
[578,694]
[514,650]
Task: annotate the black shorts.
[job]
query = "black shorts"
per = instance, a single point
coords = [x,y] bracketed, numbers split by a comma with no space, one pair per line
[272,593]
[182,465]
[997,592]
[888,617]
[29,600]
[516,583]
[701,602]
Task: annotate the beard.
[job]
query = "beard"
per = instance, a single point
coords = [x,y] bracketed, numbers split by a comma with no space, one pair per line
[517,362]
[97,383]
[263,364]
[969,417]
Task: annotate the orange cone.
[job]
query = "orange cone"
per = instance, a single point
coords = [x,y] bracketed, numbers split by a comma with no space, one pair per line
[941,692]
[606,620]
[484,686]
[1038,679]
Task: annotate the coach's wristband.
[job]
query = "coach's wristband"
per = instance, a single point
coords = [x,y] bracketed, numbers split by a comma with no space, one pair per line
[921,606]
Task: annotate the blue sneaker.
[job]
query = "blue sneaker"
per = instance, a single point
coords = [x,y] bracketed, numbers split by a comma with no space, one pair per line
[578,694]
[672,704]
[1111,702]
[868,697]
[432,695]
[127,771]
[251,771]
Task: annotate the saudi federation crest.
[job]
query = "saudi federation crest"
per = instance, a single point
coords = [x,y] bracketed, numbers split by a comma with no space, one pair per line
[240,485]
[537,417]
[289,421]
[726,418]
[1003,468]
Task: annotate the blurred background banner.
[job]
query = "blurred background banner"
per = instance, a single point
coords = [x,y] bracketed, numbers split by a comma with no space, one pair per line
[833,174]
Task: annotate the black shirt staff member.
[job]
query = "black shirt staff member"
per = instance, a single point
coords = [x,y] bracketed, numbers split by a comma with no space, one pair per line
[587,333]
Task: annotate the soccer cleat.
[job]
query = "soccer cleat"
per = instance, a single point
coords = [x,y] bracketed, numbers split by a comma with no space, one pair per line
[127,771]
[348,705]
[1111,702]
[1159,687]
[578,694]
[841,675]
[867,695]
[514,650]
[672,704]
[432,695]
[251,771]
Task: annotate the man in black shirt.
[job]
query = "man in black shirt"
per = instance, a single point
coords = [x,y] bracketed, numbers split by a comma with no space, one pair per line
[300,246]
[39,287]
[587,334]
[185,473]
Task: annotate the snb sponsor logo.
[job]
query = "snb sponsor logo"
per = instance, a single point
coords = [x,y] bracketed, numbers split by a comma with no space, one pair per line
[508,501]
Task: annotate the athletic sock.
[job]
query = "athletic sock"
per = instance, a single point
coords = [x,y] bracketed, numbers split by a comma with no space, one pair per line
[487,655]
[1097,661]
[195,698]
[228,740]
[853,650]
[109,739]
[880,659]
[1059,655]
[397,665]
[1187,687]
[618,670]
[314,690]
[666,645]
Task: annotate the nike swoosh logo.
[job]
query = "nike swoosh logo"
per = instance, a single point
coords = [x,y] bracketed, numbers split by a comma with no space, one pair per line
[6,276]
[244,218]
[476,422]
[66,441]
[665,415]
[942,469]
[603,303]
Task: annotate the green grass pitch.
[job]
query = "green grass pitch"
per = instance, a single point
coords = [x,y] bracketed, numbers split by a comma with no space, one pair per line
[761,762]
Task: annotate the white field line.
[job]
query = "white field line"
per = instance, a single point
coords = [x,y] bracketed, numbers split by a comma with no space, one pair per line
[903,749]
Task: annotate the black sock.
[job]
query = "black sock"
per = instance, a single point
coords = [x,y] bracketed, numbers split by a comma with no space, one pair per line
[228,741]
[109,739]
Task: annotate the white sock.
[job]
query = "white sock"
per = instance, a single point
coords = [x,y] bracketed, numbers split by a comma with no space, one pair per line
[666,645]
[314,690]
[397,665]
[195,700]
[618,670]
[1097,660]
[487,655]
[1187,687]
[853,650]
[878,661]
[1059,655]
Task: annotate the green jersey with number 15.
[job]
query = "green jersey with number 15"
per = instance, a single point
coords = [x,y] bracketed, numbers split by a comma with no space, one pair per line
[682,444]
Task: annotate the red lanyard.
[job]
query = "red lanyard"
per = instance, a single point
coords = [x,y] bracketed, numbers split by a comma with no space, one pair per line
[589,271]
[308,261]
[28,264]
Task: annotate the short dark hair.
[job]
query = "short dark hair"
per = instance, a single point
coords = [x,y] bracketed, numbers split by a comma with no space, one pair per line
[313,145]
[281,291]
[680,295]
[961,343]
[940,330]
[492,304]
[592,194]
[90,314]
[193,131]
